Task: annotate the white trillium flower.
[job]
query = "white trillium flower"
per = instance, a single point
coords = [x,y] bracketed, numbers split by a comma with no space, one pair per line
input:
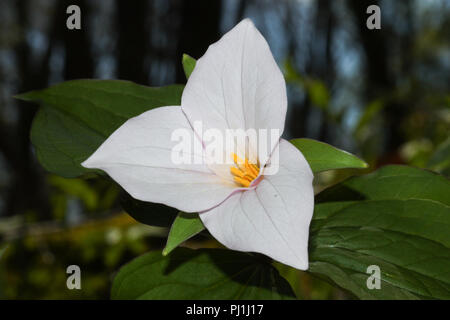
[235,85]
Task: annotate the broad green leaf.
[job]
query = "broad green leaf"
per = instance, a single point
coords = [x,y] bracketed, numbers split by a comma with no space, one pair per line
[185,226]
[391,182]
[188,65]
[440,160]
[407,239]
[62,143]
[153,214]
[423,218]
[396,218]
[200,274]
[77,116]
[322,156]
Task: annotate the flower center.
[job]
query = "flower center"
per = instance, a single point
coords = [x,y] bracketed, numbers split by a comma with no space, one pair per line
[244,172]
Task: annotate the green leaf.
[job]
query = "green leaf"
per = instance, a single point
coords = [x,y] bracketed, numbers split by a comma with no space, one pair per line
[407,239]
[153,214]
[322,156]
[188,65]
[396,218]
[77,116]
[391,182]
[440,160]
[200,274]
[185,226]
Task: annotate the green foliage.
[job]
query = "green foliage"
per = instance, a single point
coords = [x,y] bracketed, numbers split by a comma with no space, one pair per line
[188,65]
[152,214]
[391,182]
[308,286]
[2,251]
[440,160]
[185,226]
[396,218]
[200,274]
[78,188]
[77,116]
[34,264]
[371,111]
[322,156]
[317,91]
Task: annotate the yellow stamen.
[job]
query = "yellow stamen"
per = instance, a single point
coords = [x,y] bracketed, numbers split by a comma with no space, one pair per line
[251,168]
[244,173]
[238,173]
[242,182]
[255,168]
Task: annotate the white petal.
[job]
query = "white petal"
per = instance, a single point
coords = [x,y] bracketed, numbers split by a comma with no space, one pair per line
[272,219]
[138,156]
[237,84]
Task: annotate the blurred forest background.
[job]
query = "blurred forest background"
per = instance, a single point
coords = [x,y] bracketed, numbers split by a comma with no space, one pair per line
[381,94]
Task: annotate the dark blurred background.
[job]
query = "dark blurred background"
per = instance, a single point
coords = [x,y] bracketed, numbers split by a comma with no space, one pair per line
[382,94]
